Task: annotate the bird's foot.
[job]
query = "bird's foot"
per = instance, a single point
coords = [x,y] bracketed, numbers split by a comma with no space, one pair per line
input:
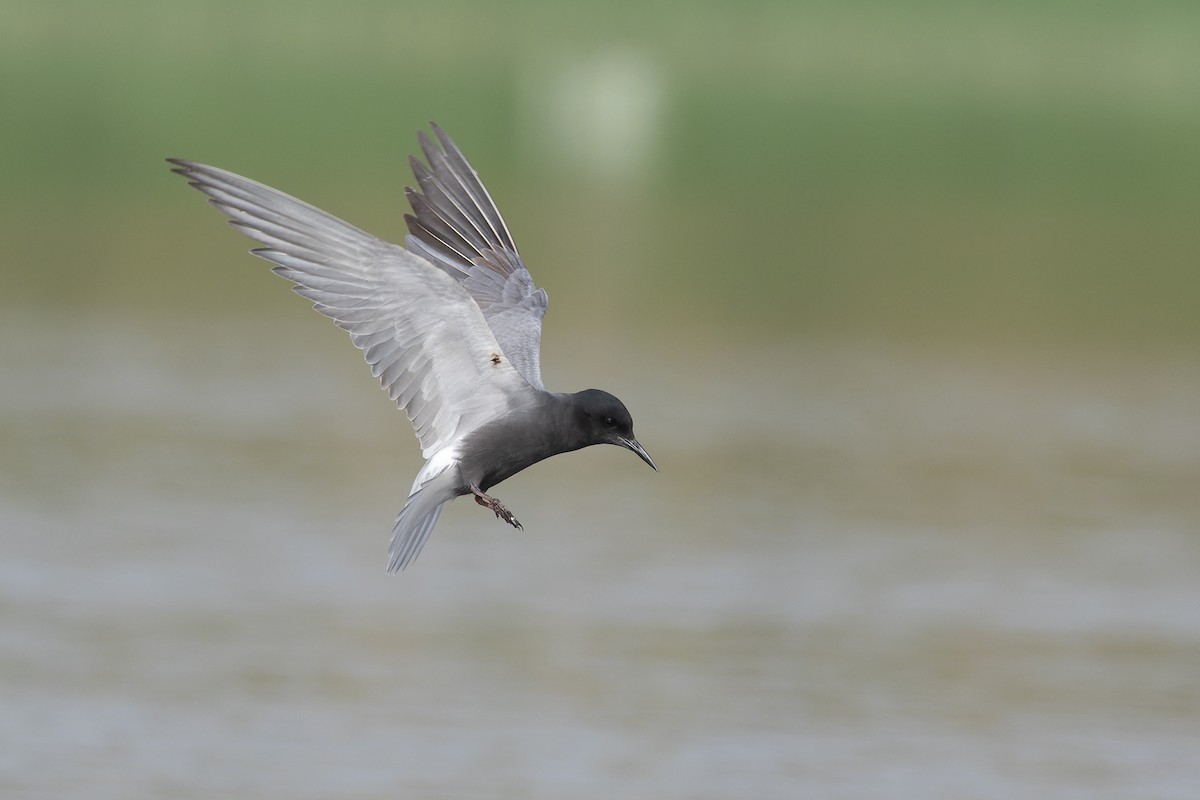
[487,501]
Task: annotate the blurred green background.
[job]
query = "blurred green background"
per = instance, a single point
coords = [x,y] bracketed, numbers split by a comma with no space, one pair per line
[1023,172]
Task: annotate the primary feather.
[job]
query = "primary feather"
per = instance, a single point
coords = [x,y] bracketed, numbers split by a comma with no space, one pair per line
[456,226]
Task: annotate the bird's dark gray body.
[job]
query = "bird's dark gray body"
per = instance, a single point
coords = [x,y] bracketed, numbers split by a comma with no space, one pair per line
[451,327]
[502,448]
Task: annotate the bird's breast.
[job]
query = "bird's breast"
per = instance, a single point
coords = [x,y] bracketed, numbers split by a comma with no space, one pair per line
[500,449]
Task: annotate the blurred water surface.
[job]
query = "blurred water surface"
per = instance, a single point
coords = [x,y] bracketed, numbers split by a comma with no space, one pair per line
[902,297]
[865,570]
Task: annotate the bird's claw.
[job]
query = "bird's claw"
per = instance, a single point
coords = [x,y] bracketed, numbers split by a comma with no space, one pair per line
[506,515]
[487,501]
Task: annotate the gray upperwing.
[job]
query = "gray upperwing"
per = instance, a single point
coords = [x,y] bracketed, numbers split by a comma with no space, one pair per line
[421,333]
[456,226]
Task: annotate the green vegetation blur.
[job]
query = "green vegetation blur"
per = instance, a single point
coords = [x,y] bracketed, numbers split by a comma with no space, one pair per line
[1019,171]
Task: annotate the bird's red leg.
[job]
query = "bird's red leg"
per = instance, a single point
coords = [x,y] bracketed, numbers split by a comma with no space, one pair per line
[487,501]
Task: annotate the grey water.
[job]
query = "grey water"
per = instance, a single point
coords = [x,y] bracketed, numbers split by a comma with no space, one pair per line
[866,570]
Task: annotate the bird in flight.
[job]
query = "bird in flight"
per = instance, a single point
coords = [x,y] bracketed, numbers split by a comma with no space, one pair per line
[451,327]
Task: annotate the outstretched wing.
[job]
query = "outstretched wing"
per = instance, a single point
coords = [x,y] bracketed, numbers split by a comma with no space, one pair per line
[421,333]
[456,226]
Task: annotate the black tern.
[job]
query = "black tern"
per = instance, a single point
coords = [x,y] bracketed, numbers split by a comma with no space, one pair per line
[451,327]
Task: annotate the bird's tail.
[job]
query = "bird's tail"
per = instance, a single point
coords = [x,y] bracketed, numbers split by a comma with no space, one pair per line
[415,521]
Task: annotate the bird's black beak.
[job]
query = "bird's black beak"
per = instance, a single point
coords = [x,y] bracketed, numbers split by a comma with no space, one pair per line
[635,446]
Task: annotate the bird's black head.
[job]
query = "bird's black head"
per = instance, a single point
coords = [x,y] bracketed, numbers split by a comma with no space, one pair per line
[605,420]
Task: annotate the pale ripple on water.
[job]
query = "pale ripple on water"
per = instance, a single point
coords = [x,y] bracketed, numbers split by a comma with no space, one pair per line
[888,572]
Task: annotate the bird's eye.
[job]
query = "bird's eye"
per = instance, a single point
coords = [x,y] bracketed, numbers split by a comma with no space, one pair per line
[610,422]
